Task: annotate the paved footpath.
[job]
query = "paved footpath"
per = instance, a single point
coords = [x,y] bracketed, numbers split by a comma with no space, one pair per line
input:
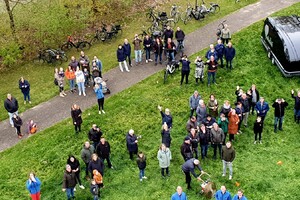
[55,110]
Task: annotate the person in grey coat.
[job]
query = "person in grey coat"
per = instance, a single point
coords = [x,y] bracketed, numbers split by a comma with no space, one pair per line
[164,157]
[86,156]
[201,112]
[194,101]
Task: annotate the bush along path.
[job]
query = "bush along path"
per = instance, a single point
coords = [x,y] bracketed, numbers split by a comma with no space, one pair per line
[55,110]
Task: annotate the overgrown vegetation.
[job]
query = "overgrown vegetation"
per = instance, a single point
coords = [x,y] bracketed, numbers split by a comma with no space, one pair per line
[255,167]
[105,51]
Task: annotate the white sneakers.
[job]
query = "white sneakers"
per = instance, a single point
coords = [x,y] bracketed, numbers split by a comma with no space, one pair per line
[144,177]
[82,187]
[230,177]
[84,94]
[103,112]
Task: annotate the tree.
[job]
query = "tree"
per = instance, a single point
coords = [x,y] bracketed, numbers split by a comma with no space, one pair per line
[10,6]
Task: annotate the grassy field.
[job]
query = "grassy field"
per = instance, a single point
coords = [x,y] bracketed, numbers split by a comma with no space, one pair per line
[255,167]
[41,76]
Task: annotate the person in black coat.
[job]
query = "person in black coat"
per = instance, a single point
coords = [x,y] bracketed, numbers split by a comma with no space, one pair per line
[76,116]
[69,182]
[258,129]
[25,89]
[204,137]
[158,50]
[17,121]
[11,106]
[75,166]
[168,34]
[254,97]
[96,163]
[166,136]
[132,143]
[94,135]
[103,151]
[189,167]
[166,117]
[186,149]
[279,106]
[147,45]
[296,106]
[185,69]
[229,55]
[122,58]
[127,51]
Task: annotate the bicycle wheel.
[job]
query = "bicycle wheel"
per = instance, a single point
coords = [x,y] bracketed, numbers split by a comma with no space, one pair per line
[176,17]
[185,17]
[66,46]
[214,9]
[38,60]
[166,76]
[94,40]
[64,58]
[171,23]
[56,61]
[103,36]
[84,45]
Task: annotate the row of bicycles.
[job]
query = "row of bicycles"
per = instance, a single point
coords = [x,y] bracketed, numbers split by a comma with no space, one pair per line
[51,56]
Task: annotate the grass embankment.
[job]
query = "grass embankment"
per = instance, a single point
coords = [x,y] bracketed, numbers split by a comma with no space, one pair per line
[41,76]
[255,166]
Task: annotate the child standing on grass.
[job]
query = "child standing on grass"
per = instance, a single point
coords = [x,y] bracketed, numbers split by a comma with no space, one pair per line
[94,190]
[141,162]
[258,128]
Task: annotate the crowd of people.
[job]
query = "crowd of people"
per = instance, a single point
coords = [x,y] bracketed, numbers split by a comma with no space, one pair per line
[209,123]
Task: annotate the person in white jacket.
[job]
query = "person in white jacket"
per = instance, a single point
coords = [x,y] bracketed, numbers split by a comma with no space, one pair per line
[164,157]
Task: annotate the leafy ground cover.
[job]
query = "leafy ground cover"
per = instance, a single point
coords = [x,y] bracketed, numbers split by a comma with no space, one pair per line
[255,167]
[41,76]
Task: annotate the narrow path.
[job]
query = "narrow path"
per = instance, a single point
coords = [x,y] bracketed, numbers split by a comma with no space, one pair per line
[55,110]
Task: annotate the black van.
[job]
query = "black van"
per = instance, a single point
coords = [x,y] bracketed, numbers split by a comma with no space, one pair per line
[281,38]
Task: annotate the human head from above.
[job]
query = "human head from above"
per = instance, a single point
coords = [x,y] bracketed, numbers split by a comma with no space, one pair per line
[131,132]
[73,58]
[120,46]
[147,37]
[201,102]
[229,44]
[223,189]
[187,140]
[167,111]
[208,117]
[219,41]
[261,99]
[258,119]
[240,193]
[126,41]
[196,162]
[136,35]
[163,147]
[82,53]
[56,70]
[212,58]
[68,168]
[196,93]
[15,115]
[102,140]
[228,144]
[87,144]
[22,79]
[9,96]
[212,47]
[193,118]
[169,40]
[168,27]
[216,126]
[279,100]
[233,111]
[95,58]
[212,97]
[225,26]
[94,126]
[94,156]
[202,127]
[179,190]
[178,28]
[71,158]
[244,96]
[227,103]
[253,87]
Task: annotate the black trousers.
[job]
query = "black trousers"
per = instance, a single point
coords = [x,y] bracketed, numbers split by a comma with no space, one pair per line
[101,103]
[78,176]
[231,137]
[131,153]
[163,171]
[18,129]
[259,136]
[186,75]
[108,161]
[77,127]
[188,179]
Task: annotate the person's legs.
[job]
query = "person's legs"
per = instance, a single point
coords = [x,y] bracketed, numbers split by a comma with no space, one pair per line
[125,65]
[141,174]
[188,179]
[215,150]
[79,84]
[280,123]
[245,119]
[136,56]
[156,56]
[230,168]
[187,77]
[140,55]
[18,130]
[182,77]
[160,58]
[275,123]
[224,167]
[167,171]
[202,151]
[86,169]
[221,59]
[205,150]
[68,191]
[255,136]
[102,103]
[78,177]
[131,155]
[214,77]
[259,136]
[231,137]
[147,54]
[120,65]
[10,115]
[230,63]
[209,74]
[83,88]
[220,149]
[99,104]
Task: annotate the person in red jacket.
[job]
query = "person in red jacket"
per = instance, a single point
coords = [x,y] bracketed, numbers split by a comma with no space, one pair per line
[233,125]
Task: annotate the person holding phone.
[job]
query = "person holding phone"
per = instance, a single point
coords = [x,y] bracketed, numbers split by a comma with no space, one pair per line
[33,185]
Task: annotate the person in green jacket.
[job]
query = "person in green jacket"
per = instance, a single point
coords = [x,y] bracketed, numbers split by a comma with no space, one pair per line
[223,124]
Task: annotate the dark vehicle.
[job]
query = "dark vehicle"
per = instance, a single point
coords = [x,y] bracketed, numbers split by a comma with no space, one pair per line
[281,38]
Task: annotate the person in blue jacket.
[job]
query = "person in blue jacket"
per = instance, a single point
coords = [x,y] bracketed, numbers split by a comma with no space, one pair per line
[166,117]
[25,89]
[185,69]
[220,49]
[239,195]
[179,195]
[127,51]
[100,97]
[189,167]
[229,55]
[223,194]
[33,185]
[262,108]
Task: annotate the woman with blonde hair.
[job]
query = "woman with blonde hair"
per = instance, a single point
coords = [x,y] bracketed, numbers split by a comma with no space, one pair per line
[164,157]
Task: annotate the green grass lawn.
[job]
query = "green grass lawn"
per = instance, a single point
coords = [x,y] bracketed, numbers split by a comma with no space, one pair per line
[255,167]
[41,76]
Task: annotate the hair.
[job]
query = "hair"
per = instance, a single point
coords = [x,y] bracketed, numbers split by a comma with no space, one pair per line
[240,190]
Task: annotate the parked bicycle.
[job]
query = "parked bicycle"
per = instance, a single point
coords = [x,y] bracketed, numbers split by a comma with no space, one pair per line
[80,45]
[220,27]
[175,13]
[52,56]
[191,13]
[170,69]
[151,15]
[213,8]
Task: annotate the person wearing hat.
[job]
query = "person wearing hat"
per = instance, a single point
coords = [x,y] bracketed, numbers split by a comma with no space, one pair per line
[262,108]
[186,149]
[279,106]
[189,167]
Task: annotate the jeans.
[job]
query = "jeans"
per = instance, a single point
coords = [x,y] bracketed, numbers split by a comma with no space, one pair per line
[81,87]
[138,55]
[215,146]
[225,165]
[171,56]
[280,120]
[230,64]
[10,115]
[147,53]
[26,96]
[156,56]
[245,118]
[142,173]
[213,75]
[204,149]
[70,193]
[96,197]
[72,84]
[196,152]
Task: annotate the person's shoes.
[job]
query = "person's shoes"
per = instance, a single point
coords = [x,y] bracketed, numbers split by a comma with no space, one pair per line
[141,180]
[79,93]
[260,142]
[230,177]
[130,65]
[146,61]
[99,112]
[155,63]
[127,70]
[150,60]
[246,125]
[215,83]
[160,62]
[12,126]
[84,94]
[223,175]
[87,178]
[111,167]
[254,142]
[29,102]
[74,189]
[280,129]
[64,93]
[189,187]
[103,112]
[240,132]
[144,177]
[24,102]
[208,85]
[61,95]
[168,175]
[121,70]
[19,136]
[82,187]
